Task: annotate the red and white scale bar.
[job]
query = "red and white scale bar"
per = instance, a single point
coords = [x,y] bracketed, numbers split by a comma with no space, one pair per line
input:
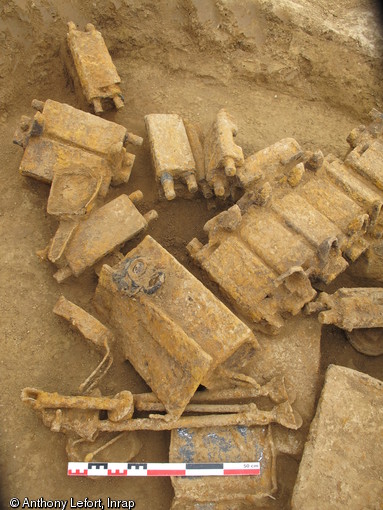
[163,469]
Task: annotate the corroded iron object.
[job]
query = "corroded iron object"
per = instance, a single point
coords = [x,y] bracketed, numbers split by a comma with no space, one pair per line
[350,308]
[175,332]
[63,139]
[275,390]
[288,241]
[229,444]
[171,152]
[119,407]
[74,192]
[93,331]
[244,256]
[93,68]
[78,246]
[272,162]
[80,414]
[222,155]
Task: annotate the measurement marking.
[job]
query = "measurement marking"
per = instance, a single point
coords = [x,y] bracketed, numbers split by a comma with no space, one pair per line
[163,469]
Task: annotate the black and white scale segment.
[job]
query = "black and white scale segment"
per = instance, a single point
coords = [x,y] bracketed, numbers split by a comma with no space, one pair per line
[163,469]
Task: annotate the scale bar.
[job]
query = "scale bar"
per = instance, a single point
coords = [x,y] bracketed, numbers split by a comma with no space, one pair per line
[163,469]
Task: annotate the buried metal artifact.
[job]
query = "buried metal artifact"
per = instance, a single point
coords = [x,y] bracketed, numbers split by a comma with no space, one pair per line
[91,68]
[78,245]
[173,330]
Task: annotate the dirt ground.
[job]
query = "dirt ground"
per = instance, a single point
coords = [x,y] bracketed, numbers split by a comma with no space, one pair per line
[311,70]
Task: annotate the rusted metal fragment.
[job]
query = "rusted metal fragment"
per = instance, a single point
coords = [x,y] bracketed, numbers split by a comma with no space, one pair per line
[350,308]
[306,220]
[105,448]
[73,192]
[260,195]
[293,353]
[275,390]
[172,329]
[172,358]
[63,122]
[247,414]
[244,256]
[368,162]
[99,234]
[230,444]
[343,458]
[272,162]
[351,183]
[39,160]
[21,134]
[94,67]
[82,412]
[195,137]
[342,208]
[80,155]
[365,183]
[339,203]
[222,155]
[295,175]
[44,157]
[171,153]
[119,407]
[65,413]
[83,422]
[61,137]
[367,341]
[313,160]
[317,230]
[277,167]
[122,172]
[56,250]
[92,330]
[204,403]
[336,209]
[283,412]
[335,205]
[309,234]
[356,187]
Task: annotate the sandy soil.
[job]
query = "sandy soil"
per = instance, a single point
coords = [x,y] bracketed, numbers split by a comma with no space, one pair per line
[301,69]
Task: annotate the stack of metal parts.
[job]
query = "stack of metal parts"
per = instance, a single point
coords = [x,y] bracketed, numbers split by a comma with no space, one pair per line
[178,336]
[298,222]
[289,237]
[359,312]
[182,157]
[80,155]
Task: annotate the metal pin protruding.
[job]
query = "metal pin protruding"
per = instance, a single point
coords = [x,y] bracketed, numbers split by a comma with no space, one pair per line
[168,186]
[191,183]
